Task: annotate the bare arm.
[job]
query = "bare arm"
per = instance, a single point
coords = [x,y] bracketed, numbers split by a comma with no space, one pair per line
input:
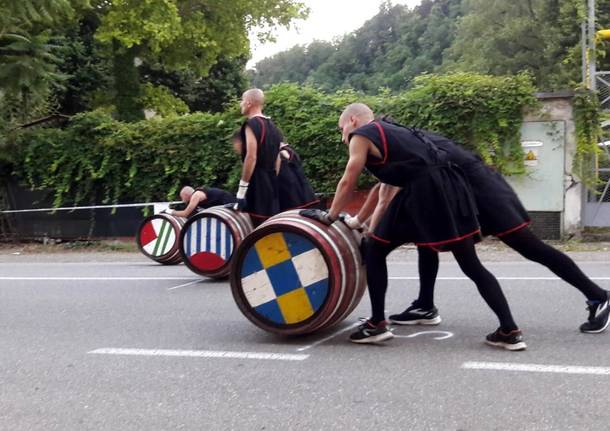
[250,158]
[358,151]
[369,205]
[386,194]
[196,197]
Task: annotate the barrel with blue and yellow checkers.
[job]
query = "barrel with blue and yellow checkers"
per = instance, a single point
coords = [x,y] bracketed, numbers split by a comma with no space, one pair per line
[209,239]
[157,238]
[294,275]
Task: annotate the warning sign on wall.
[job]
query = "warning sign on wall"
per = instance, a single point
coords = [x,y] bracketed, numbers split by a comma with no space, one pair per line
[531,150]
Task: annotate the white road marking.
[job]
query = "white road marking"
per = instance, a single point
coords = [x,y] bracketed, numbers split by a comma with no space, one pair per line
[201,354]
[499,278]
[91,278]
[199,280]
[440,335]
[330,337]
[536,368]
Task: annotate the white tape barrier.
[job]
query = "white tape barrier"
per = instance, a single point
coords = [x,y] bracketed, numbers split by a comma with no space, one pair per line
[158,207]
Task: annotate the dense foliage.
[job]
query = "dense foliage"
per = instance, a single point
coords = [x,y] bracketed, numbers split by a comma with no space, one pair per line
[68,56]
[588,131]
[97,158]
[389,50]
[496,37]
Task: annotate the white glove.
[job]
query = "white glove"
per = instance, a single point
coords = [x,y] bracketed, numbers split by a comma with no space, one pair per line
[352,222]
[242,190]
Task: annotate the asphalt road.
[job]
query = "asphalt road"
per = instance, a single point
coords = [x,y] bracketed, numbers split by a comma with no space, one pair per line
[126,344]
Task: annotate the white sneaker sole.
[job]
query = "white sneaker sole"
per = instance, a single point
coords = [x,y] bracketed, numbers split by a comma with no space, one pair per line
[375,339]
[512,347]
[424,322]
[598,331]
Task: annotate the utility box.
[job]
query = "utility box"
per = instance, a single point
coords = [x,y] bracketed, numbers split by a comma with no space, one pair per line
[548,191]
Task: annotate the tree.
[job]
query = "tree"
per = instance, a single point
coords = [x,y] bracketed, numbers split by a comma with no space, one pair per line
[181,34]
[87,64]
[28,55]
[211,93]
[538,36]
[389,50]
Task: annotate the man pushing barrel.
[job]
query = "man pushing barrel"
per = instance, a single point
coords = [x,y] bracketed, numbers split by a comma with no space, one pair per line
[201,198]
[433,207]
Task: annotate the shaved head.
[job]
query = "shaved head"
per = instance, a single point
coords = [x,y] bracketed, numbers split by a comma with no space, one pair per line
[354,116]
[254,96]
[186,193]
[359,110]
[252,102]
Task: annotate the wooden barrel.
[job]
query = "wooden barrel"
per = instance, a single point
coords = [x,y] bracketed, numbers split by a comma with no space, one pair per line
[209,238]
[295,276]
[157,238]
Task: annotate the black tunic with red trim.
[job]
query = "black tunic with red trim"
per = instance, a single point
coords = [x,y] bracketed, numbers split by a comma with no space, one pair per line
[435,206]
[294,188]
[262,200]
[500,210]
[215,197]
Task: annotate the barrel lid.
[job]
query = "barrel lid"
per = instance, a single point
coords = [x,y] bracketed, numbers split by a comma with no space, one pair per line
[156,236]
[283,278]
[207,243]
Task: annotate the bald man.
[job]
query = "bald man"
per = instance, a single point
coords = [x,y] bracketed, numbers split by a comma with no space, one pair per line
[430,204]
[501,214]
[260,145]
[201,198]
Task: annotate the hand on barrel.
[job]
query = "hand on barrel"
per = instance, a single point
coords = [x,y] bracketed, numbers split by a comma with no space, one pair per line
[241,196]
[236,206]
[318,215]
[351,222]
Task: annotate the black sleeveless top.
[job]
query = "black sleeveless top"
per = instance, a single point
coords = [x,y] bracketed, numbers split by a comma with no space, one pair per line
[262,200]
[294,188]
[500,210]
[215,197]
[435,206]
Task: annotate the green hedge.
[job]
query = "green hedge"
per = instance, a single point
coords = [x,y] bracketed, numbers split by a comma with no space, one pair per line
[98,159]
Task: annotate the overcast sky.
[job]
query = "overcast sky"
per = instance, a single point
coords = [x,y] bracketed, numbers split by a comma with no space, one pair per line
[327,19]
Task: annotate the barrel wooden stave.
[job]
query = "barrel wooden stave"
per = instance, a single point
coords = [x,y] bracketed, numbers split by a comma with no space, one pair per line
[150,238]
[214,264]
[339,248]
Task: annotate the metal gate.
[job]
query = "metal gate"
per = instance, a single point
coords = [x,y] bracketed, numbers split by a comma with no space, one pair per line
[597,209]
[603,88]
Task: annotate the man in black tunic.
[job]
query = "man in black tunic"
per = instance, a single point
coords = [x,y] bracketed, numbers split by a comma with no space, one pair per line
[501,214]
[260,139]
[294,188]
[201,198]
[434,207]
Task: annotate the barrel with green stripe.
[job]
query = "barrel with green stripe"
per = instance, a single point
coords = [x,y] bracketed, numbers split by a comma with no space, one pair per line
[157,238]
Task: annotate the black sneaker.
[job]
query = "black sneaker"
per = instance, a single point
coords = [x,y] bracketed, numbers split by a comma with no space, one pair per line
[599,316]
[415,315]
[511,341]
[370,333]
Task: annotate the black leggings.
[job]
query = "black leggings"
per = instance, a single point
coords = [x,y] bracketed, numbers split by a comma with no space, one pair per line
[527,245]
[375,254]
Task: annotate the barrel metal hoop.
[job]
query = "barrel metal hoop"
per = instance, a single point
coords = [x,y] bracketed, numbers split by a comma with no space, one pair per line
[349,239]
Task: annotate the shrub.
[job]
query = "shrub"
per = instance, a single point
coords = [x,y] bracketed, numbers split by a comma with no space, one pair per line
[98,159]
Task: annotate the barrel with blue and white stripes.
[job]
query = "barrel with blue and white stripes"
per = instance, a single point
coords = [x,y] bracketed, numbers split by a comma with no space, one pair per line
[209,239]
[295,276]
[157,238]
